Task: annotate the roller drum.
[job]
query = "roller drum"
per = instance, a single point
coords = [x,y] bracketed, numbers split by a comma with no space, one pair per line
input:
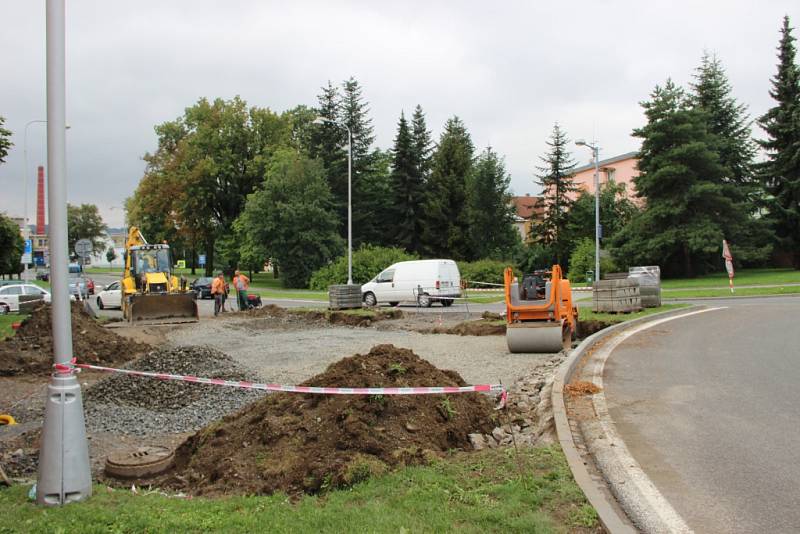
[538,337]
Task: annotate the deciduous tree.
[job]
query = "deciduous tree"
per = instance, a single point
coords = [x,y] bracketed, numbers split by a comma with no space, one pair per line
[84,222]
[5,141]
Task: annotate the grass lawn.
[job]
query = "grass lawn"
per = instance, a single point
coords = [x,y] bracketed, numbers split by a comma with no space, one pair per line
[476,492]
[740,292]
[586,314]
[745,277]
[7,320]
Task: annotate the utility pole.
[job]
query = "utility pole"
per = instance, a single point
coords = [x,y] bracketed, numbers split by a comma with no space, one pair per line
[64,474]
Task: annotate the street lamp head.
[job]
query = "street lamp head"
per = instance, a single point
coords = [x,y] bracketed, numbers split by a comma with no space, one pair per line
[580,142]
[320,120]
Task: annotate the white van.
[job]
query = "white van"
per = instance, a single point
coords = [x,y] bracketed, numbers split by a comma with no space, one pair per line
[422,281]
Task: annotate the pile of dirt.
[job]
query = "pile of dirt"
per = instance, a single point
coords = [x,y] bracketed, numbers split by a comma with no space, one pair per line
[577,389]
[365,318]
[30,350]
[137,405]
[309,443]
[480,327]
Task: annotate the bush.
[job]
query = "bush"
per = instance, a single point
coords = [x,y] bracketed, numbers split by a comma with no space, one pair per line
[367,262]
[490,271]
[582,260]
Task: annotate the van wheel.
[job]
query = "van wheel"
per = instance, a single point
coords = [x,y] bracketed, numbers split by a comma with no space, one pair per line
[369,299]
[424,300]
[447,303]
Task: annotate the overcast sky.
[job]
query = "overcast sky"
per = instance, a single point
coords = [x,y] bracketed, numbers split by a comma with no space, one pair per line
[509,71]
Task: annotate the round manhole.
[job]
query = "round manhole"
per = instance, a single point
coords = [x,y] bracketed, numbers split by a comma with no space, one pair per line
[140,462]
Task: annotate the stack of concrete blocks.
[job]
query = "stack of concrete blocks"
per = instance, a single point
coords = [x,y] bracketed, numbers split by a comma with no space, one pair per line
[649,284]
[344,296]
[616,294]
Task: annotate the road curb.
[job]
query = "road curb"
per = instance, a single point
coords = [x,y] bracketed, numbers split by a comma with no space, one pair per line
[604,505]
[735,297]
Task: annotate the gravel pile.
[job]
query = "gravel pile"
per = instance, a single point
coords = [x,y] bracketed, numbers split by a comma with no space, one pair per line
[141,405]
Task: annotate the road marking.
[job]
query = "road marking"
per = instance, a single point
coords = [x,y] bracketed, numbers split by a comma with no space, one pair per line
[657,504]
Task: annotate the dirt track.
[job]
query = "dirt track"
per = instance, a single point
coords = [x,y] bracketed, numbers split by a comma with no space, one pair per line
[291,352]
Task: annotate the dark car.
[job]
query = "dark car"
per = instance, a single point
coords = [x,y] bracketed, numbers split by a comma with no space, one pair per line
[202,286]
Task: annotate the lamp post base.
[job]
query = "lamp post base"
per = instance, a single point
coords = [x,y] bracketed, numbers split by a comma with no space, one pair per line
[64,472]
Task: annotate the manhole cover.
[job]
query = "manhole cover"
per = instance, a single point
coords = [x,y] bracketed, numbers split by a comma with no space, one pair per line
[140,462]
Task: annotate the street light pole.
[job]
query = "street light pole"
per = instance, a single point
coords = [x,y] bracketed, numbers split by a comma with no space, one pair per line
[323,120]
[596,156]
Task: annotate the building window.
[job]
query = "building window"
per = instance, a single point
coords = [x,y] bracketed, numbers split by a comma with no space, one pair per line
[610,175]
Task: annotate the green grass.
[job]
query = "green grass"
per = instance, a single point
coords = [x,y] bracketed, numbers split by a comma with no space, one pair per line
[7,320]
[586,314]
[726,292]
[477,492]
[745,277]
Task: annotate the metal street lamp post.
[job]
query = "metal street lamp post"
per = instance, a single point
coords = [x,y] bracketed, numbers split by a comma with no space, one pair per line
[323,120]
[596,155]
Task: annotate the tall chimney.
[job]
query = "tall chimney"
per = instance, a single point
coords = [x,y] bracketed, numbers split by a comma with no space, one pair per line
[40,202]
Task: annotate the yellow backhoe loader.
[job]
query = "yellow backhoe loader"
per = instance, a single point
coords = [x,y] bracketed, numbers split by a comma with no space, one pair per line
[150,293]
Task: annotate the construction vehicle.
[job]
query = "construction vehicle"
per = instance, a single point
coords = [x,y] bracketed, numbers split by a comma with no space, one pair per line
[539,312]
[150,292]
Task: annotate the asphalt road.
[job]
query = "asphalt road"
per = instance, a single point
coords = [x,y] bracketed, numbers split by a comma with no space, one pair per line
[710,408]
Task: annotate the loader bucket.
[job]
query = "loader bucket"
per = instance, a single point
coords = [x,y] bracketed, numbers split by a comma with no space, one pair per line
[538,337]
[163,308]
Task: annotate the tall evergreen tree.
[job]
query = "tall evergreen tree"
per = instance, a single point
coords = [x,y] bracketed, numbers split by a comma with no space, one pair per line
[781,171]
[371,187]
[329,144]
[557,183]
[489,211]
[422,143]
[407,190]
[689,211]
[446,225]
[726,119]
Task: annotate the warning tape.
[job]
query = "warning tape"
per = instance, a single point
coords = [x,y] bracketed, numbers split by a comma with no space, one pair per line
[72,366]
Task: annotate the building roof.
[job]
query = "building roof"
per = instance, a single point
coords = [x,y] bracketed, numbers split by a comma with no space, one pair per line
[528,206]
[609,161]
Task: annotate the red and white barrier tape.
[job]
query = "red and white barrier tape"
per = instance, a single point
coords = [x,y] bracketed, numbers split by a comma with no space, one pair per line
[72,366]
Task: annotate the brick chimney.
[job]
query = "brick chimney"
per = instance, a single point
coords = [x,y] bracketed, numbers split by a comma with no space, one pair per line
[40,202]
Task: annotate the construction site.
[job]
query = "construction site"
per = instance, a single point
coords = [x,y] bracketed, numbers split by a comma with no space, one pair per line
[224,440]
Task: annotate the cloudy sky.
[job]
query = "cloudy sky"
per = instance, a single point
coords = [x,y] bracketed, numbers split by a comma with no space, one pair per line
[509,70]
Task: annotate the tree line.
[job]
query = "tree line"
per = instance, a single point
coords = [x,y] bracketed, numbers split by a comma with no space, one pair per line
[699,180]
[245,184]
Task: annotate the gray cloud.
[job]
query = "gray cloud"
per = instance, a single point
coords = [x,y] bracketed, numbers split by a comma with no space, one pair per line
[509,71]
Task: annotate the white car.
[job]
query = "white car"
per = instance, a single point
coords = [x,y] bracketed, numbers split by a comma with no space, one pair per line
[9,295]
[110,297]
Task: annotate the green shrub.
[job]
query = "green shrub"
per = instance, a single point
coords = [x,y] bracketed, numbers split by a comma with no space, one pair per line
[368,261]
[490,271]
[582,260]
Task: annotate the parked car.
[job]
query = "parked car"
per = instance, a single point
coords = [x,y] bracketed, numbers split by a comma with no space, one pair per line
[421,281]
[89,285]
[10,296]
[202,286]
[43,276]
[110,297]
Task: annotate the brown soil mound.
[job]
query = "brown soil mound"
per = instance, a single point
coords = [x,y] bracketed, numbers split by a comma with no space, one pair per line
[30,350]
[474,328]
[333,317]
[309,443]
[577,389]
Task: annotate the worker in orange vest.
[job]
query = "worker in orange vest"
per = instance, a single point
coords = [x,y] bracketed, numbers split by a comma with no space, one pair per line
[218,291]
[241,283]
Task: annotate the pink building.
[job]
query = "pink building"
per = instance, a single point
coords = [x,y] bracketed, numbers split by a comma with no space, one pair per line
[621,169]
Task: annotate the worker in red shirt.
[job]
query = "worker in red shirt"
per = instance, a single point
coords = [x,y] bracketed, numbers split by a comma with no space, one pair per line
[241,283]
[218,291]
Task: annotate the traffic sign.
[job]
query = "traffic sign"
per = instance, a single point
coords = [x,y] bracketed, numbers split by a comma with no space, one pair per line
[28,252]
[83,248]
[201,260]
